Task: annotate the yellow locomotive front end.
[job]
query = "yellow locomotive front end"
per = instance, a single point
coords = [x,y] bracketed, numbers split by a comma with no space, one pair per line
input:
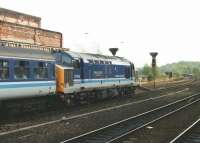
[64,78]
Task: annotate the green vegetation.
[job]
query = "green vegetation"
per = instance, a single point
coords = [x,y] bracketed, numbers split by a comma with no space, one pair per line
[183,67]
[147,72]
[178,69]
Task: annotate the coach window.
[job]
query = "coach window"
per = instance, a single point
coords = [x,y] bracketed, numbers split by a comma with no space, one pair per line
[22,70]
[53,71]
[41,71]
[4,70]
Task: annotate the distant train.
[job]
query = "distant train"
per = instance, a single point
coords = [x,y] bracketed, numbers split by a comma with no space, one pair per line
[27,72]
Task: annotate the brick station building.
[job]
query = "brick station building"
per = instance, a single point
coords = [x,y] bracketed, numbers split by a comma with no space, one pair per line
[20,27]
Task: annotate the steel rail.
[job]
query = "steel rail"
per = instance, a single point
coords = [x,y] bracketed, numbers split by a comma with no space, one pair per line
[115,131]
[89,113]
[180,137]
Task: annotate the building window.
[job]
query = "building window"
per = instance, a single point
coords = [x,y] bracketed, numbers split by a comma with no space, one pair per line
[22,70]
[41,71]
[4,70]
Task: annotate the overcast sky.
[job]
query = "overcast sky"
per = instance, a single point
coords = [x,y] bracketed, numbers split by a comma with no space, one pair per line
[137,27]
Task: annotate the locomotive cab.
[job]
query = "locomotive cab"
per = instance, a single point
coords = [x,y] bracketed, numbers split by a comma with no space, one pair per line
[67,69]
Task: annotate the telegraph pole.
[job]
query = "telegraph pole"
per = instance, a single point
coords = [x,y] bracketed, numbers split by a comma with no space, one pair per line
[153,55]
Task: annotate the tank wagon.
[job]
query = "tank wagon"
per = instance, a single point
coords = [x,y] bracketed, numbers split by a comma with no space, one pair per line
[28,71]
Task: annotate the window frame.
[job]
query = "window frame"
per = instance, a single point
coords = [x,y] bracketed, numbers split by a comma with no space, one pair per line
[41,65]
[6,67]
[26,69]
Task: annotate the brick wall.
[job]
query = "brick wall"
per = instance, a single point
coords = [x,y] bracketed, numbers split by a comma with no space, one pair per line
[20,33]
[19,18]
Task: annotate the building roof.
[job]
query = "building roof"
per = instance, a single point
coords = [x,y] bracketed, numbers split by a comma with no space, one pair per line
[8,11]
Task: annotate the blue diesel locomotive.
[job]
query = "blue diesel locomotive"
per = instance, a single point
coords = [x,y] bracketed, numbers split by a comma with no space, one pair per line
[31,71]
[82,76]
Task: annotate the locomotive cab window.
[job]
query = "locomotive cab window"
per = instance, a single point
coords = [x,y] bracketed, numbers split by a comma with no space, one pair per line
[41,71]
[127,72]
[4,70]
[21,70]
[66,60]
[76,63]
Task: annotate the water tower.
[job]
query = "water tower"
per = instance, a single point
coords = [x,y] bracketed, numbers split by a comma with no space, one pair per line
[113,51]
[153,55]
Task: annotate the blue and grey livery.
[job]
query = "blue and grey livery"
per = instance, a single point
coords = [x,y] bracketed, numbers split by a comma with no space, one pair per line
[91,72]
[30,72]
[25,72]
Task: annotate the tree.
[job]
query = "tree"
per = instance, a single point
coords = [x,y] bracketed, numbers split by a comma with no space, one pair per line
[147,71]
[196,72]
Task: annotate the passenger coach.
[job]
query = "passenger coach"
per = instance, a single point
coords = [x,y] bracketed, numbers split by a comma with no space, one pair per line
[25,72]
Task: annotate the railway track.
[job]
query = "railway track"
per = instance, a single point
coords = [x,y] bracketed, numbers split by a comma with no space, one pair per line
[136,99]
[189,135]
[14,134]
[116,131]
[90,113]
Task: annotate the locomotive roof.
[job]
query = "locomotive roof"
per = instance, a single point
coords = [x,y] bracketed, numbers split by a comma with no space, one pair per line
[25,53]
[89,56]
